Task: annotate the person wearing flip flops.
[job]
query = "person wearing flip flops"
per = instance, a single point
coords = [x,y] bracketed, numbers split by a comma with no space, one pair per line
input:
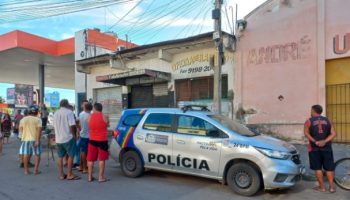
[21,165]
[320,133]
[84,136]
[65,126]
[98,143]
[30,127]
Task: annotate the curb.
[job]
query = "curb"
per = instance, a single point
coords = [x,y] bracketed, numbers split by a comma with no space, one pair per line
[308,177]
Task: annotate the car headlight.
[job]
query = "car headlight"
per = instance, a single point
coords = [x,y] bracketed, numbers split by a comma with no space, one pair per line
[274,154]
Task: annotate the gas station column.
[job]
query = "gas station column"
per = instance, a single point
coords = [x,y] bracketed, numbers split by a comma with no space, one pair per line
[41,83]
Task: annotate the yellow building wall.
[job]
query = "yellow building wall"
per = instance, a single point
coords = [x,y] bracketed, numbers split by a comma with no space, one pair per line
[338,71]
[338,96]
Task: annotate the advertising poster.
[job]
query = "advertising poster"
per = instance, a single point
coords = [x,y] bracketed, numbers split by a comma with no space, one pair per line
[55,99]
[11,95]
[24,95]
[52,99]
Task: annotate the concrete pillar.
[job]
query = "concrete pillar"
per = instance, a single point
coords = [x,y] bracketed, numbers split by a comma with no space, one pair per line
[321,57]
[41,83]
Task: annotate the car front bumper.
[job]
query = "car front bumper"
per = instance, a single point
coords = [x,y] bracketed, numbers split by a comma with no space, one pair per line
[281,173]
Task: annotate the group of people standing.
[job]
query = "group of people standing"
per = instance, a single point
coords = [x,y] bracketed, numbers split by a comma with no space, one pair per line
[84,137]
[7,125]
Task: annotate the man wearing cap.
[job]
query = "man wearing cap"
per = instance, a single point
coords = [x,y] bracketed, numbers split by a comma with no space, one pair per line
[30,127]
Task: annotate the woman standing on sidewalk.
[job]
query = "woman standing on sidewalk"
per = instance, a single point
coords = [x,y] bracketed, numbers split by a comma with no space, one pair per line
[98,143]
[6,126]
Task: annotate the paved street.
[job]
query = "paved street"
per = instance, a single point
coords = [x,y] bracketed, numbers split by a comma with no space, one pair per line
[153,185]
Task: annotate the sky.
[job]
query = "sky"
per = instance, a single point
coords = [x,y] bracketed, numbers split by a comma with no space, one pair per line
[148,21]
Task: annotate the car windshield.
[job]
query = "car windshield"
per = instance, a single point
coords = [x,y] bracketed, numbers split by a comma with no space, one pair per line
[233,125]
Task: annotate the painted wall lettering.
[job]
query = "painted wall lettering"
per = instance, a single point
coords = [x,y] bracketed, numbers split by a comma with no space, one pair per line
[198,58]
[341,48]
[280,53]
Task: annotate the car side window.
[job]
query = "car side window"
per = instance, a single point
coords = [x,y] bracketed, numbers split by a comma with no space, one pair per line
[132,120]
[158,122]
[195,126]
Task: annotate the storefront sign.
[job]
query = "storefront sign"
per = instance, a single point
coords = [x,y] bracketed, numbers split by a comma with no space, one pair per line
[341,48]
[134,76]
[188,61]
[192,70]
[279,53]
[197,63]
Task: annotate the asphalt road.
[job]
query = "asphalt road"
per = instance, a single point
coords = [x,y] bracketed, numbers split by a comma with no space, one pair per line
[14,185]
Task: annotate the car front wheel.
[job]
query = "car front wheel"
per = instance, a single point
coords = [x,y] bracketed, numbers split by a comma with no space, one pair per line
[244,179]
[131,164]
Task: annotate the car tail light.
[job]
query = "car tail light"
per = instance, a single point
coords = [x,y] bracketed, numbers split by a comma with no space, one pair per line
[115,133]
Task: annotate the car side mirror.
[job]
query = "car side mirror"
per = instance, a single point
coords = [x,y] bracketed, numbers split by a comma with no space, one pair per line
[214,133]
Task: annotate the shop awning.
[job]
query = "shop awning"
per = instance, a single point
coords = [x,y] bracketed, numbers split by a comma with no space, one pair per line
[135,77]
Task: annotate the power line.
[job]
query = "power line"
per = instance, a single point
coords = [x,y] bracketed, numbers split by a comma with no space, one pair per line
[204,16]
[181,8]
[126,14]
[154,13]
[189,9]
[138,19]
[185,6]
[189,24]
[14,11]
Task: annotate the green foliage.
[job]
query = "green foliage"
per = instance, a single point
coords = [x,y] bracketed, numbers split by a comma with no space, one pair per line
[2,100]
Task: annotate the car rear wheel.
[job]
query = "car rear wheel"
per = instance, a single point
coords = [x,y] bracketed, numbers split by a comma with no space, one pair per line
[131,164]
[244,179]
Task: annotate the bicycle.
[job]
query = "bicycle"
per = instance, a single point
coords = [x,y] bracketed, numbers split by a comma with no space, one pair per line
[342,173]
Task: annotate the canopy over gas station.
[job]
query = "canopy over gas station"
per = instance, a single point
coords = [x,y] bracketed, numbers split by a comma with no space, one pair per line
[33,60]
[21,54]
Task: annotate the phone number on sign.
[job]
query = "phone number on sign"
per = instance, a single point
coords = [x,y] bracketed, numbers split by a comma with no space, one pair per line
[196,70]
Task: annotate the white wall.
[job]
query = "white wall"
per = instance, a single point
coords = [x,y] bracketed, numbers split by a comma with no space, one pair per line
[84,50]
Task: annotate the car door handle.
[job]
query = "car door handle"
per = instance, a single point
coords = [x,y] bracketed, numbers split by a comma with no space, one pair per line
[140,137]
[180,141]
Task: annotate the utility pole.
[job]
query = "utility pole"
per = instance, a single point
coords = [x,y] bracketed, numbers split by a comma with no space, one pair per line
[217,37]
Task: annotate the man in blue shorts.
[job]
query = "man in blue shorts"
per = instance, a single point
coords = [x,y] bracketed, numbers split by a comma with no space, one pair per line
[65,127]
[84,135]
[30,127]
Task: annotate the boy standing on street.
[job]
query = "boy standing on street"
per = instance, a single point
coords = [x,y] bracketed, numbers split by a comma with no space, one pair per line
[30,126]
[320,133]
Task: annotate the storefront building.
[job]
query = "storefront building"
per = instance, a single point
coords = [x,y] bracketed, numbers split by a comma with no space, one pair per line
[291,55]
[165,74]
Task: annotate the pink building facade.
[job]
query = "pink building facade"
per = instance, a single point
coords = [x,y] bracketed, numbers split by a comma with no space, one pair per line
[291,55]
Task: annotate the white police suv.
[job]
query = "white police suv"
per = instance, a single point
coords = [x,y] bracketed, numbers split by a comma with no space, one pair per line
[200,143]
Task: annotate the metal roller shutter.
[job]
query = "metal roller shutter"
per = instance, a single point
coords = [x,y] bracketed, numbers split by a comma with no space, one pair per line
[141,96]
[160,95]
[145,96]
[111,99]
